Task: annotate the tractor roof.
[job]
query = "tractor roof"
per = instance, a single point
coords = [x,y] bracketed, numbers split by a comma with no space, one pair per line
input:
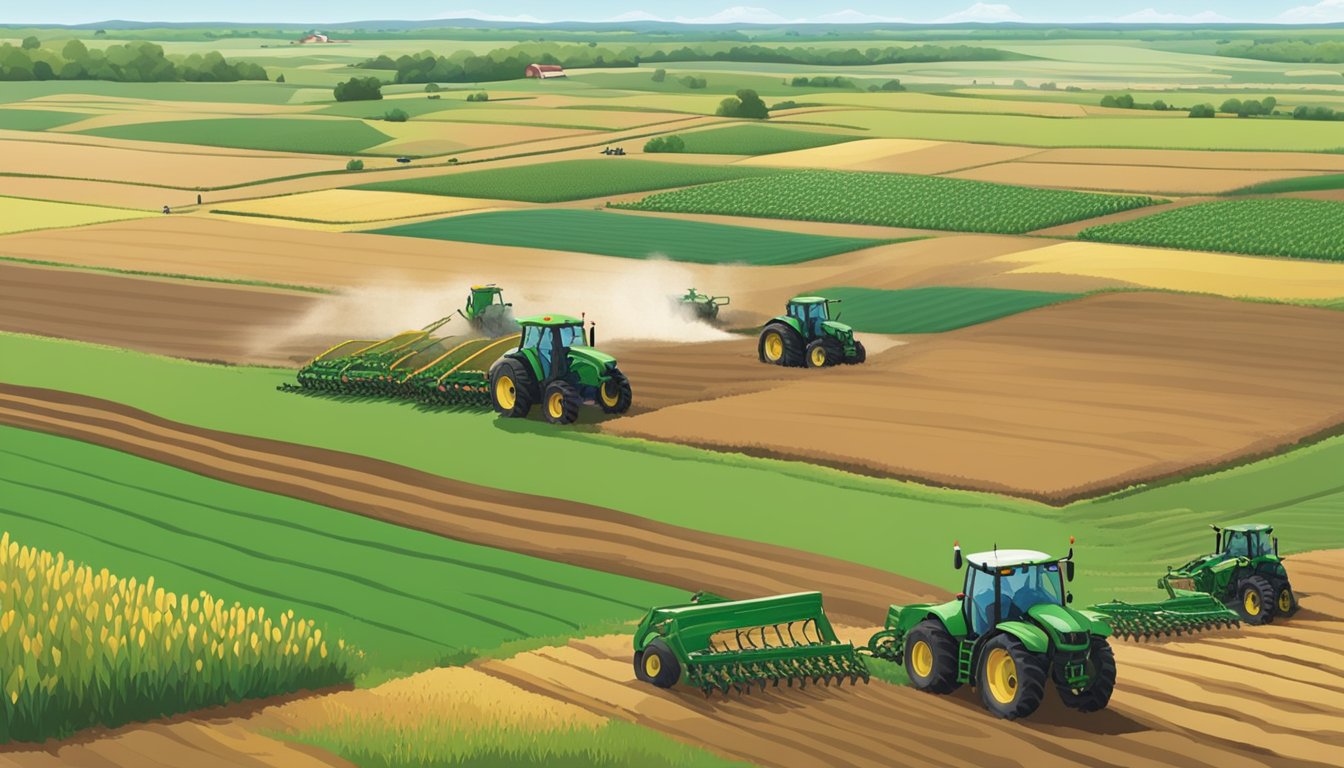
[550,321]
[1004,558]
[487,287]
[1249,528]
[810,300]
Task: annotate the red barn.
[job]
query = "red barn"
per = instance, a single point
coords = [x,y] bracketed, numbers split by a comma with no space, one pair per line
[544,71]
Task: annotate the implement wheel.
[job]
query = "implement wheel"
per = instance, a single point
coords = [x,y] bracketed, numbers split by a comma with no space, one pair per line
[780,345]
[511,388]
[561,403]
[1011,679]
[658,665]
[1285,601]
[931,657]
[615,395]
[1255,600]
[1101,668]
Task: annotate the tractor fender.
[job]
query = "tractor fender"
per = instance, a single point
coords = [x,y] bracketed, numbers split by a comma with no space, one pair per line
[1033,637]
[793,323]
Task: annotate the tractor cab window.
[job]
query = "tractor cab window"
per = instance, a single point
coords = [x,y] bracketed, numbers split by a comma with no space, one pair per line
[571,335]
[1258,544]
[1235,544]
[532,335]
[811,316]
[980,600]
[1024,586]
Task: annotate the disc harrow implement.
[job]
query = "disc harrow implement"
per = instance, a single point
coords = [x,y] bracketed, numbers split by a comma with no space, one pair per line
[720,645]
[1169,618]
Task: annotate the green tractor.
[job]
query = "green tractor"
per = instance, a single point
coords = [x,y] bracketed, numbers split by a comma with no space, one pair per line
[487,312]
[1010,633]
[1244,573]
[806,336]
[555,366]
[701,306]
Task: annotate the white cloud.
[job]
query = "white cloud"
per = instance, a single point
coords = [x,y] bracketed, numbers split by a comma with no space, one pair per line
[739,14]
[1323,12]
[635,16]
[851,16]
[483,16]
[982,12]
[1154,16]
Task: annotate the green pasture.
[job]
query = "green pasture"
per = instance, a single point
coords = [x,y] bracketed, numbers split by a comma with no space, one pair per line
[409,599]
[36,119]
[568,179]
[757,139]
[246,92]
[934,309]
[332,136]
[1293,228]
[1125,540]
[633,237]
[1320,183]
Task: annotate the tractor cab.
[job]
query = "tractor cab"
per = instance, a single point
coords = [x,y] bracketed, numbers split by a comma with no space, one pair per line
[811,312]
[1245,541]
[1007,585]
[548,339]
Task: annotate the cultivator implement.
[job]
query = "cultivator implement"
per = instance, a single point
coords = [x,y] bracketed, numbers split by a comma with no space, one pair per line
[716,644]
[1169,618]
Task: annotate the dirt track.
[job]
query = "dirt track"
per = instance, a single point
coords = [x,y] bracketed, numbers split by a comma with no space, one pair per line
[580,534]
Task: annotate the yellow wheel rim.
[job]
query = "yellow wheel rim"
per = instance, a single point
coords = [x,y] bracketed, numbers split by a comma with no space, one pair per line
[555,405]
[653,664]
[1285,601]
[505,393]
[1001,676]
[819,357]
[1252,603]
[611,394]
[774,347]
[921,658]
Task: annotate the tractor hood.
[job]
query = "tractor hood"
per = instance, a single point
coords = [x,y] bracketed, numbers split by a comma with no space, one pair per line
[837,329]
[600,360]
[1059,620]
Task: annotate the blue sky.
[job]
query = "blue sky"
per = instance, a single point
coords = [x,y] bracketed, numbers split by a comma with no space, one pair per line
[327,11]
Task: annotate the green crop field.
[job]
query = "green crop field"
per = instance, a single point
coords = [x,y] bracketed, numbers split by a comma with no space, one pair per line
[1300,184]
[568,180]
[409,599]
[634,237]
[36,119]
[1303,229]
[757,140]
[1124,540]
[340,137]
[376,109]
[891,199]
[245,92]
[934,309]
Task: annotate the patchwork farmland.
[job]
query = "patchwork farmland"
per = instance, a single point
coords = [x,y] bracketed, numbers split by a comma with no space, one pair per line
[1087,320]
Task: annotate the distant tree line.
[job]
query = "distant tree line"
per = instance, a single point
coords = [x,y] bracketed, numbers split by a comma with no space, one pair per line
[1317,113]
[822,81]
[134,62]
[1293,51]
[836,57]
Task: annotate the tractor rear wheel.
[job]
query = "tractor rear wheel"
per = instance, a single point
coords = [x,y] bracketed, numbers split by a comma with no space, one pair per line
[860,354]
[1255,600]
[561,403]
[1285,601]
[780,345]
[615,395]
[1101,669]
[658,665]
[511,388]
[1011,678]
[931,657]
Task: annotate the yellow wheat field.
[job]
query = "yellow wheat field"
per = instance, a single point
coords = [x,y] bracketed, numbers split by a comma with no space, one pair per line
[21,215]
[346,206]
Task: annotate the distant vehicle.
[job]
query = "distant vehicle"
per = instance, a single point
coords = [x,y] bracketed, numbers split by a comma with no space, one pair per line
[613,151]
[403,159]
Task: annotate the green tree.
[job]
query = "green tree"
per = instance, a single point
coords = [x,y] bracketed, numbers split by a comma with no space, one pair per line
[1020,84]
[1160,105]
[432,88]
[279,78]
[746,104]
[1231,107]
[1202,110]
[665,144]
[1108,101]
[1125,101]
[1250,108]
[659,75]
[31,42]
[359,89]
[1049,86]
[1268,104]
[355,165]
[74,52]
[396,116]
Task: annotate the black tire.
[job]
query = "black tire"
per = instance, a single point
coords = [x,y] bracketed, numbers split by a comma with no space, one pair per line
[823,353]
[522,387]
[860,354]
[1011,679]
[1285,599]
[658,665]
[790,346]
[561,402]
[615,396]
[1255,601]
[1101,668]
[940,676]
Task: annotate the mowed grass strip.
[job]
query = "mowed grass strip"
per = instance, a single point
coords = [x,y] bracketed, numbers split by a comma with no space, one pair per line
[36,119]
[408,599]
[18,214]
[934,309]
[891,199]
[1302,229]
[757,140]
[322,136]
[568,180]
[632,237]
[1321,183]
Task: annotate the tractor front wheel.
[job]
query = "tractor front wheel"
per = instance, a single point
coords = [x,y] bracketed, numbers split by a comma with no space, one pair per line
[860,354]
[824,352]
[1101,671]
[1285,602]
[615,395]
[780,345]
[561,403]
[1011,678]
[1255,600]
[658,665]
[931,657]
[511,388]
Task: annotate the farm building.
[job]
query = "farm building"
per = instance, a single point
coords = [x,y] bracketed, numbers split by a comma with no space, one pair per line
[318,37]
[544,71]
